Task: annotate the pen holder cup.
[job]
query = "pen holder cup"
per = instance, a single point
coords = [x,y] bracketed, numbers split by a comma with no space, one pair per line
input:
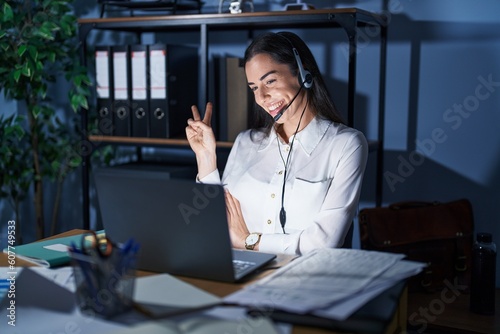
[104,286]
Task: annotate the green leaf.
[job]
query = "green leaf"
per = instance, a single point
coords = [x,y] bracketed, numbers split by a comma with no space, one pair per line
[26,70]
[33,52]
[7,13]
[44,33]
[22,49]
[36,110]
[84,103]
[17,74]
[78,101]
[51,26]
[39,66]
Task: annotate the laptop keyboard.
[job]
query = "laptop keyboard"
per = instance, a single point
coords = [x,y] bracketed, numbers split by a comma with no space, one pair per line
[240,266]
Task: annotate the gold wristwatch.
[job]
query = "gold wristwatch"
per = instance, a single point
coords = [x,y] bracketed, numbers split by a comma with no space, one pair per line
[251,240]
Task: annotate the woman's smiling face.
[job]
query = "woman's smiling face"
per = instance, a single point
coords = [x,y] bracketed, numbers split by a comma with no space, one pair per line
[273,85]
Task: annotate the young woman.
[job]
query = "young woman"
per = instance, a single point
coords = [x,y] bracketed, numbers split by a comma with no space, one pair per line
[293,181]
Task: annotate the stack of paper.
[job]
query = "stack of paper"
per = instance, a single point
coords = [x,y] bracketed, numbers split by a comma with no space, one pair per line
[331,283]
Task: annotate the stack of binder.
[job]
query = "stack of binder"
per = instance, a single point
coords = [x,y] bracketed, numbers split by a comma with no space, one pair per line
[145,90]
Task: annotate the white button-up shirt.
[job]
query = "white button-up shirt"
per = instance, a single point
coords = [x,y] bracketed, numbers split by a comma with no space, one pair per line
[323,184]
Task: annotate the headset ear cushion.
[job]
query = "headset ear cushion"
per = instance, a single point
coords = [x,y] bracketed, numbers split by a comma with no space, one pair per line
[307,80]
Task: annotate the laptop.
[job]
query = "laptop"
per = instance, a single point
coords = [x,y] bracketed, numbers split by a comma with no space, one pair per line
[181,225]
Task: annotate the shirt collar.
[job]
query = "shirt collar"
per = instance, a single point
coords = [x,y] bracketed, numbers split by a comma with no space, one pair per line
[308,138]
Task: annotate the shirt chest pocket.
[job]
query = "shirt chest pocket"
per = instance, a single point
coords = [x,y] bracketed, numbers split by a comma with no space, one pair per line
[304,201]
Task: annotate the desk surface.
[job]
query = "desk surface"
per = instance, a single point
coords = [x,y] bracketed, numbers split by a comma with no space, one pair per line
[222,289]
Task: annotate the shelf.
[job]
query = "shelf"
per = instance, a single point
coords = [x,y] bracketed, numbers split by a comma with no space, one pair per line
[372,144]
[147,141]
[318,17]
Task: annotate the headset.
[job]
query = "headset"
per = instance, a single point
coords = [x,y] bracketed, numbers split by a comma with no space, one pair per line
[305,81]
[305,77]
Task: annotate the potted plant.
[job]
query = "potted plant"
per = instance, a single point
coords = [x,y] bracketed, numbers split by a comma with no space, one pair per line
[39,48]
[17,171]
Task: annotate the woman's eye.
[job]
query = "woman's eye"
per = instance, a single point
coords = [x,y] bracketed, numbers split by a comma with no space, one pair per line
[270,81]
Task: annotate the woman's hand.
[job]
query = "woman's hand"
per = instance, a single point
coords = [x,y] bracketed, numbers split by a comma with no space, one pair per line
[238,230]
[201,138]
[199,133]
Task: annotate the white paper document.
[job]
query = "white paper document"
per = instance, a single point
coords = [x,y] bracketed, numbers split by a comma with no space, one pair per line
[343,309]
[324,278]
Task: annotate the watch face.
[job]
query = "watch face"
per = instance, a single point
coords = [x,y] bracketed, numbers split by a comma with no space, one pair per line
[252,239]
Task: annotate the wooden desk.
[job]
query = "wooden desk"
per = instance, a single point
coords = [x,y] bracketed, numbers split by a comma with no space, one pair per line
[448,312]
[221,289]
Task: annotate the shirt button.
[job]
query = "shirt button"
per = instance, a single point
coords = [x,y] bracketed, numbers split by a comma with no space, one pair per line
[280,172]
[287,148]
[273,195]
[269,222]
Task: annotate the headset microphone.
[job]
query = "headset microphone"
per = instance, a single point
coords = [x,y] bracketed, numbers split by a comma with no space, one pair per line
[278,115]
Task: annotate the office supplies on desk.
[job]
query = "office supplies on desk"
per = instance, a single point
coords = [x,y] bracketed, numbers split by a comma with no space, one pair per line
[104,274]
[181,225]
